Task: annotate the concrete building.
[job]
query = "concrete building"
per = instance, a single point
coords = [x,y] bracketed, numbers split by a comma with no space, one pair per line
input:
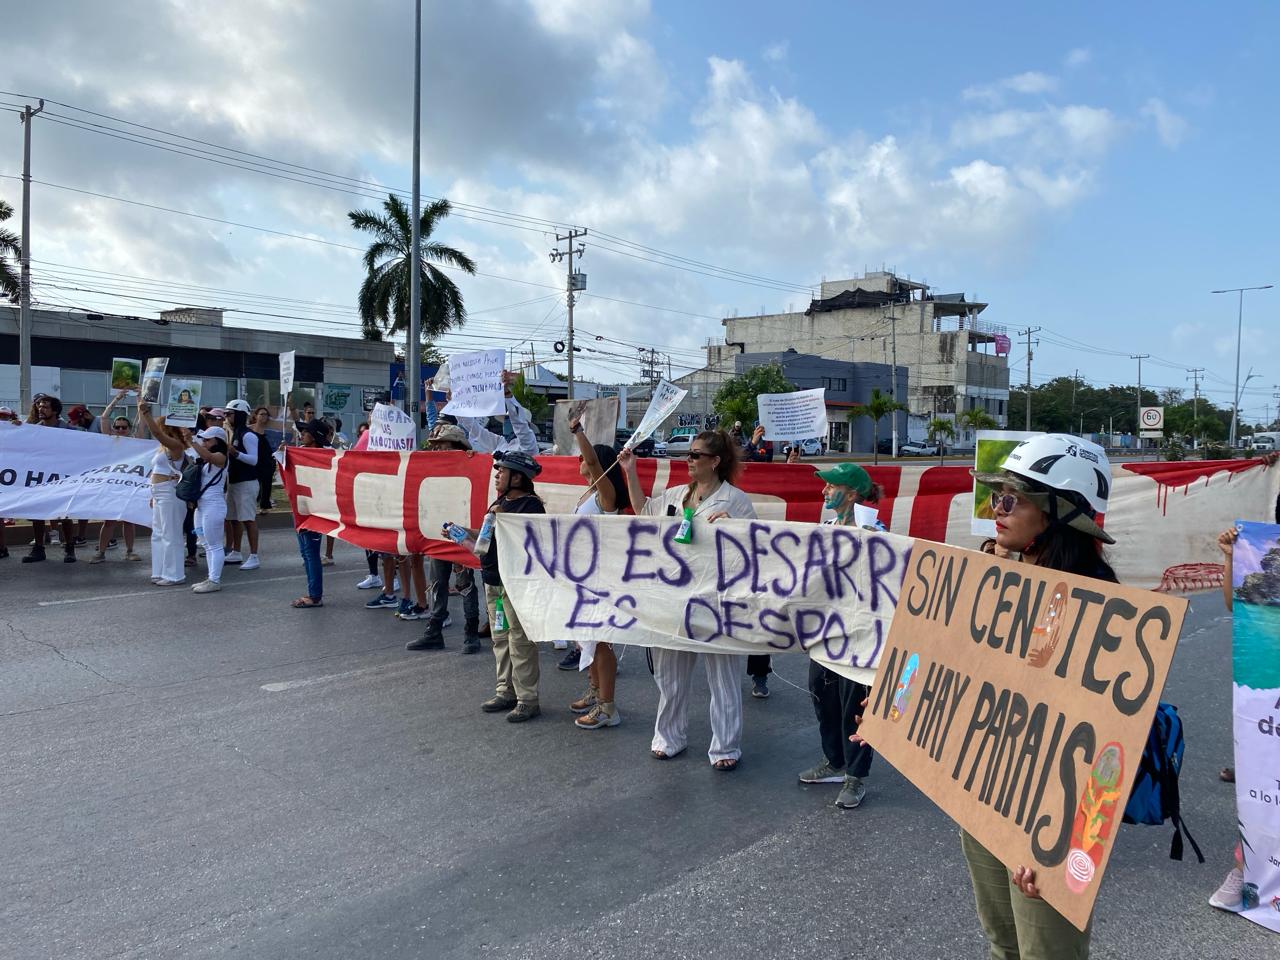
[71,353]
[955,361]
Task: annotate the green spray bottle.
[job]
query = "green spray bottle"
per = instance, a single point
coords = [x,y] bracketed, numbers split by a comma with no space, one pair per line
[685,533]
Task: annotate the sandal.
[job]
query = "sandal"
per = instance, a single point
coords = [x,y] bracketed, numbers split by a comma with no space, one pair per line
[659,755]
[726,765]
[306,603]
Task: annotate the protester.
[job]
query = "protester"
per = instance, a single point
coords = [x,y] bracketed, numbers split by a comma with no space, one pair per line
[80,418]
[46,411]
[311,433]
[120,427]
[259,423]
[243,487]
[759,450]
[1046,496]
[167,511]
[211,446]
[606,494]
[793,453]
[6,416]
[837,700]
[710,495]
[515,654]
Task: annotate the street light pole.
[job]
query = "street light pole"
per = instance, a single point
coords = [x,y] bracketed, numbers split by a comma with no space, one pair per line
[1235,412]
[24,281]
[413,350]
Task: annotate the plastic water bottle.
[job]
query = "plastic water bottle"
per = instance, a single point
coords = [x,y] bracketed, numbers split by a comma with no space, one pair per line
[499,616]
[685,533]
[485,538]
[454,532]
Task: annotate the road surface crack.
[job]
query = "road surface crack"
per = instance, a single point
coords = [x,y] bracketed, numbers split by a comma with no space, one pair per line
[20,634]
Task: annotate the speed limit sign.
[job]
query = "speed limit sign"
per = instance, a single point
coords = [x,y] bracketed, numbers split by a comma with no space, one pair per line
[1152,418]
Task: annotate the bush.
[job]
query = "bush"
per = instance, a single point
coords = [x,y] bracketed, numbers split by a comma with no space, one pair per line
[1173,450]
[1216,451]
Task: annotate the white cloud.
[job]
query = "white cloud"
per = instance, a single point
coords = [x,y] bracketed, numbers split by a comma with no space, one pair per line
[1024,84]
[1073,130]
[1077,57]
[1171,128]
[776,52]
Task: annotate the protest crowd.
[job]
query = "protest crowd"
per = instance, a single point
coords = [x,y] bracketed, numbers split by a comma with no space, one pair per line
[210,477]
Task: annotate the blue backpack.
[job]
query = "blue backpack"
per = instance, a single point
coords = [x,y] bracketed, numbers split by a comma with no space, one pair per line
[1155,788]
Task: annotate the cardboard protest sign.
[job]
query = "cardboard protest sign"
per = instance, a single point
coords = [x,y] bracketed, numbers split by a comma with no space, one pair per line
[1019,700]
[740,587]
[1256,694]
[991,449]
[153,378]
[184,403]
[126,374]
[475,381]
[599,420]
[390,428]
[666,397]
[288,360]
[793,416]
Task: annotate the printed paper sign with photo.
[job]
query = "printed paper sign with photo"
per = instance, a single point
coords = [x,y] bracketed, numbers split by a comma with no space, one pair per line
[153,378]
[793,416]
[184,403]
[475,380]
[992,447]
[599,420]
[1019,700]
[126,374]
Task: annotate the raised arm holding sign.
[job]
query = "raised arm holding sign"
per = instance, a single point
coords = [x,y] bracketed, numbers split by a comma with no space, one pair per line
[475,383]
[666,397]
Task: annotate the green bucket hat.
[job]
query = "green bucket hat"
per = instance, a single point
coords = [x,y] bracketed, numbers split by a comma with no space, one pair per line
[848,475]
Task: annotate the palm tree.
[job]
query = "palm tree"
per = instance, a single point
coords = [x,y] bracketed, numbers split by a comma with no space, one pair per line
[976,420]
[938,428]
[879,406]
[384,295]
[10,246]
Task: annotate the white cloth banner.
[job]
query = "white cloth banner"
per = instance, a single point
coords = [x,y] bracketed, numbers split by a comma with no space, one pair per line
[666,397]
[793,416]
[390,428]
[475,383]
[49,474]
[288,360]
[741,586]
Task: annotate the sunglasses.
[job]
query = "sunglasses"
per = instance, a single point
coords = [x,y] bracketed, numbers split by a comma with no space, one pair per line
[698,455]
[1004,502]
[120,426]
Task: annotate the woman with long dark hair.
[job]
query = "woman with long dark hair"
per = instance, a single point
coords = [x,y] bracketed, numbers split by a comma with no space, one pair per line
[243,486]
[708,496]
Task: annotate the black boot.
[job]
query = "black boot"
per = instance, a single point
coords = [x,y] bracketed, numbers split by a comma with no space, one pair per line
[470,640]
[428,641]
[36,555]
[69,555]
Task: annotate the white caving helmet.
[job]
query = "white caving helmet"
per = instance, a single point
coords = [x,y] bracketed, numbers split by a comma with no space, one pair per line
[241,405]
[1076,470]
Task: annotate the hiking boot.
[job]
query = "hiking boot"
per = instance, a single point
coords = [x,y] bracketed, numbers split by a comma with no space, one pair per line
[1230,896]
[35,556]
[427,641]
[601,715]
[471,645]
[570,661]
[523,712]
[851,793]
[585,702]
[822,773]
[497,704]
[760,688]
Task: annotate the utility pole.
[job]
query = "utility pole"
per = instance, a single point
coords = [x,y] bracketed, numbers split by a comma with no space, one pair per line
[1235,410]
[1196,377]
[1027,333]
[1139,357]
[893,383]
[1075,382]
[572,283]
[413,349]
[24,283]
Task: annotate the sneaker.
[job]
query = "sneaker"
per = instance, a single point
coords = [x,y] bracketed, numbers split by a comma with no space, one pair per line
[162,582]
[112,544]
[1230,896]
[471,645]
[207,586]
[448,621]
[760,688]
[35,556]
[252,563]
[585,702]
[851,793]
[98,558]
[369,582]
[81,542]
[326,561]
[570,661]
[233,556]
[523,712]
[381,601]
[415,612]
[822,773]
[131,556]
[406,605]
[601,715]
[426,642]
[497,704]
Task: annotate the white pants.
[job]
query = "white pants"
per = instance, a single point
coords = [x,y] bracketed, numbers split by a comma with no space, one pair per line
[211,512]
[673,671]
[167,514]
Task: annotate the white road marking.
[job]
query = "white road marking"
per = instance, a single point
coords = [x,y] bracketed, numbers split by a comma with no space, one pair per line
[164,591]
[283,685]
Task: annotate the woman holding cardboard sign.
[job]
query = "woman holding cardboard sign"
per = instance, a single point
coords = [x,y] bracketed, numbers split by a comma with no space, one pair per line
[709,495]
[1047,498]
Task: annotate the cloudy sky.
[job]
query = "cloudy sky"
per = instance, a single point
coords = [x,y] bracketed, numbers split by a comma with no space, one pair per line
[1094,172]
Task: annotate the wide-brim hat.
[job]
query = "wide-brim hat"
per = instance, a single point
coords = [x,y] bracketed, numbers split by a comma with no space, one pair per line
[1042,495]
[449,433]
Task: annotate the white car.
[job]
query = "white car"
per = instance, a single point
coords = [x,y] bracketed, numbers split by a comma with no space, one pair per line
[679,444]
[808,448]
[659,447]
[917,450]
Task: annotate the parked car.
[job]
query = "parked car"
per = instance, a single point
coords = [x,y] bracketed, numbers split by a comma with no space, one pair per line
[917,450]
[659,447]
[808,448]
[645,448]
[679,445]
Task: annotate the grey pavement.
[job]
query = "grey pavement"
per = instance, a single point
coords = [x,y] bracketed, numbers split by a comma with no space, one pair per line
[222,776]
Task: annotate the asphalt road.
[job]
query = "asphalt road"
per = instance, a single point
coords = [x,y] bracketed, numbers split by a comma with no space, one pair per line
[221,776]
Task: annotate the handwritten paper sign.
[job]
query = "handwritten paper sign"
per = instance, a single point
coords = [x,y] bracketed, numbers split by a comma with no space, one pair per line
[599,420]
[739,587]
[666,397]
[153,378]
[793,416]
[1019,700]
[390,428]
[288,360]
[475,380]
[184,403]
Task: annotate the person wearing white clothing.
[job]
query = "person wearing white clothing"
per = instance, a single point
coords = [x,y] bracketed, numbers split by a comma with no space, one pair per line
[483,440]
[167,511]
[210,445]
[713,463]
[243,488]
